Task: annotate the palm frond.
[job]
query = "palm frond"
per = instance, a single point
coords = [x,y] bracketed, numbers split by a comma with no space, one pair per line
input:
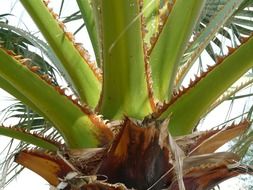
[163,44]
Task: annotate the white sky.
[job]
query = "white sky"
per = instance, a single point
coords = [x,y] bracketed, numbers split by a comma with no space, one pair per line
[27,180]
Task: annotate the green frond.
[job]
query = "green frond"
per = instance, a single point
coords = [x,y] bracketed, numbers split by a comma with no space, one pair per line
[203,37]
[125,90]
[88,17]
[170,45]
[145,51]
[73,57]
[66,115]
[30,138]
[190,106]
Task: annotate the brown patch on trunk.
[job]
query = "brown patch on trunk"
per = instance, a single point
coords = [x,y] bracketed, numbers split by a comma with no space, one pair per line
[136,158]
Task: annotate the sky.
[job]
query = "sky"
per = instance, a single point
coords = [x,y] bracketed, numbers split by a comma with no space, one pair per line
[27,180]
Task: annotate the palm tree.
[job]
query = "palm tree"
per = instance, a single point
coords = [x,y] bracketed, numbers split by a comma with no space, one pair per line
[127,120]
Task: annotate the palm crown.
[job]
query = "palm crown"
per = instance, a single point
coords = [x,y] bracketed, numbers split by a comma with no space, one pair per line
[127,117]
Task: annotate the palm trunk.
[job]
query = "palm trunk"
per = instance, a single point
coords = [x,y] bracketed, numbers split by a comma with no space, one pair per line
[140,158]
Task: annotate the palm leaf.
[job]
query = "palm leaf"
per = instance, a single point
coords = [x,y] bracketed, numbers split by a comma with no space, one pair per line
[66,94]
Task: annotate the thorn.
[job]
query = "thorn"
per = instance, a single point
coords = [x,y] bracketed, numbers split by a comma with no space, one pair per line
[160,26]
[79,47]
[57,88]
[145,47]
[98,71]
[175,92]
[192,80]
[62,25]
[219,59]
[70,36]
[244,39]
[106,121]
[79,102]
[169,7]
[86,55]
[201,72]
[50,10]
[55,15]
[10,52]
[44,76]
[24,61]
[86,109]
[208,67]
[181,89]
[46,2]
[75,98]
[76,102]
[153,39]
[35,68]
[18,57]
[230,49]
[49,81]
[63,91]
[159,104]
